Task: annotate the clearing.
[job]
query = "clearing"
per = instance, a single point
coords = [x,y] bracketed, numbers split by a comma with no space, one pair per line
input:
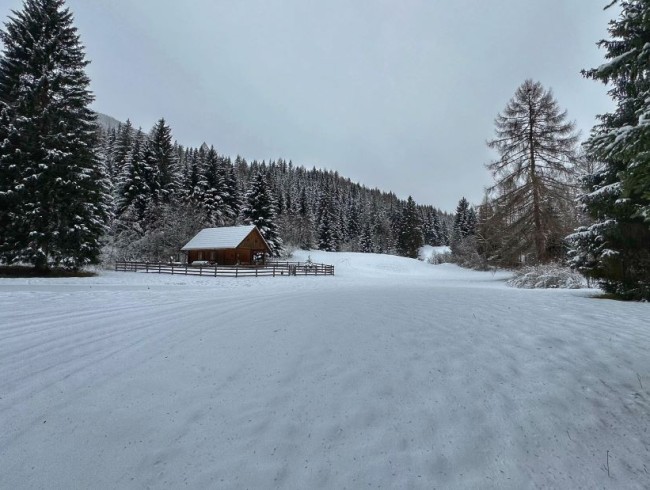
[394,373]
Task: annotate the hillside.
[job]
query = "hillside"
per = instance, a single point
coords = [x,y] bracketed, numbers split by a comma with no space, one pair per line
[107,122]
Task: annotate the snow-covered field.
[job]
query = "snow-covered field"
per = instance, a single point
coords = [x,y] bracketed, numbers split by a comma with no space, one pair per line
[393,374]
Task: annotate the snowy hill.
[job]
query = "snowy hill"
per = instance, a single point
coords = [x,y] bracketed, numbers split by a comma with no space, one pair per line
[394,373]
[107,122]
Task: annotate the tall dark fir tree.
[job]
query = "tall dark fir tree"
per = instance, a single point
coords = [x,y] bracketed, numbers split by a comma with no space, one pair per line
[410,238]
[53,205]
[615,249]
[260,211]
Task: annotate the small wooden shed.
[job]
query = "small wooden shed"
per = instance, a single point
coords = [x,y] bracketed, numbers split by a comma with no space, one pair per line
[228,245]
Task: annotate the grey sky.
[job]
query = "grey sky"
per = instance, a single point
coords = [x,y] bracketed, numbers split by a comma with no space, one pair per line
[399,95]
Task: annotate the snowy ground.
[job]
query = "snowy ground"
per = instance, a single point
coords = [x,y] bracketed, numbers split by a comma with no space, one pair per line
[392,374]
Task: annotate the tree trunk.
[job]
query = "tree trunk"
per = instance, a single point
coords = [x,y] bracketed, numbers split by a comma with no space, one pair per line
[537,218]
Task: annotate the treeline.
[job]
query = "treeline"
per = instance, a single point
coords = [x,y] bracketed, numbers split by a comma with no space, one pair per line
[162,193]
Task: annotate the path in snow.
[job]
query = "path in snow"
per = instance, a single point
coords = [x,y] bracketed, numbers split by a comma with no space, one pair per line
[392,374]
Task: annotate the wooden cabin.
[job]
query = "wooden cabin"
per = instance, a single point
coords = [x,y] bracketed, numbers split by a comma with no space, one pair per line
[228,245]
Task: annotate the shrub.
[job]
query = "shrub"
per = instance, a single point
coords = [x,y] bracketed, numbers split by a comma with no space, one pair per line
[546,277]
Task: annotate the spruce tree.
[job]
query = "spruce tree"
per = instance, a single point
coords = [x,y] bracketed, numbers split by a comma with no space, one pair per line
[163,161]
[409,239]
[123,144]
[53,194]
[305,222]
[327,236]
[213,184]
[464,221]
[133,192]
[260,211]
[328,222]
[365,240]
[615,249]
[231,195]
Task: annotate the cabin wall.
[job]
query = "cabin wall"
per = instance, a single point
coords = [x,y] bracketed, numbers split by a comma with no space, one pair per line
[254,241]
[230,256]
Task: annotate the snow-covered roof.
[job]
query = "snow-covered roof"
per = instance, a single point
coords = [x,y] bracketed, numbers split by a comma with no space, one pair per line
[216,238]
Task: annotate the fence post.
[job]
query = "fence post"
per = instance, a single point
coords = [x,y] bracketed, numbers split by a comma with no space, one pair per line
[146,266]
[215,270]
[236,270]
[201,270]
[185,269]
[255,271]
[172,269]
[273,270]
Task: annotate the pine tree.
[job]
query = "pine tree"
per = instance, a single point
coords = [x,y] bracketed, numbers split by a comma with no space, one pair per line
[536,146]
[328,222]
[365,240]
[123,144]
[436,230]
[464,221]
[53,193]
[163,161]
[305,222]
[213,184]
[410,239]
[231,195]
[615,249]
[133,191]
[260,211]
[327,237]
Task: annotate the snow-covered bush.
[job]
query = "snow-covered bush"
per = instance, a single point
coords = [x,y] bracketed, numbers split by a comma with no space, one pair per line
[440,258]
[547,276]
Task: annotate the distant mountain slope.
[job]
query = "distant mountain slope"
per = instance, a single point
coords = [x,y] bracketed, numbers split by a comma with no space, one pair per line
[107,122]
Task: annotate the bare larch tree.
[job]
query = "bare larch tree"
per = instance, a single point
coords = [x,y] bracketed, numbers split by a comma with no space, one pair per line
[532,191]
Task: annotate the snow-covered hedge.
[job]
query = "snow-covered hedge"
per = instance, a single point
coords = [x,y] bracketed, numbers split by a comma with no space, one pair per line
[547,276]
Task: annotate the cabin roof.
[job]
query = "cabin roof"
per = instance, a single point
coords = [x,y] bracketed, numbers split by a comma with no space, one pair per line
[218,238]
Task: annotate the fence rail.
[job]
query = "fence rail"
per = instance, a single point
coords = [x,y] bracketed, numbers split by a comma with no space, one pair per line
[269,269]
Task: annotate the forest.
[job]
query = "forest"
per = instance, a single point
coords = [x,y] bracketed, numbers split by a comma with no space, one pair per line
[162,193]
[72,193]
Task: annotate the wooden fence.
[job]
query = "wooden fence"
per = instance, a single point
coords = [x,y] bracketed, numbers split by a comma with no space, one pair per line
[269,269]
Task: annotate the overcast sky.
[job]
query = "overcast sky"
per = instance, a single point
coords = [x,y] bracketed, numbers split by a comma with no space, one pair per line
[398,94]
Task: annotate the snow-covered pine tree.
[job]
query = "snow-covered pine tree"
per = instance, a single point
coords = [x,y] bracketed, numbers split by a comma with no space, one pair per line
[53,193]
[464,221]
[305,222]
[410,238]
[365,240]
[133,192]
[123,144]
[213,193]
[444,233]
[193,184]
[163,160]
[615,249]
[329,237]
[231,195]
[463,241]
[353,225]
[259,210]
[437,236]
[536,147]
